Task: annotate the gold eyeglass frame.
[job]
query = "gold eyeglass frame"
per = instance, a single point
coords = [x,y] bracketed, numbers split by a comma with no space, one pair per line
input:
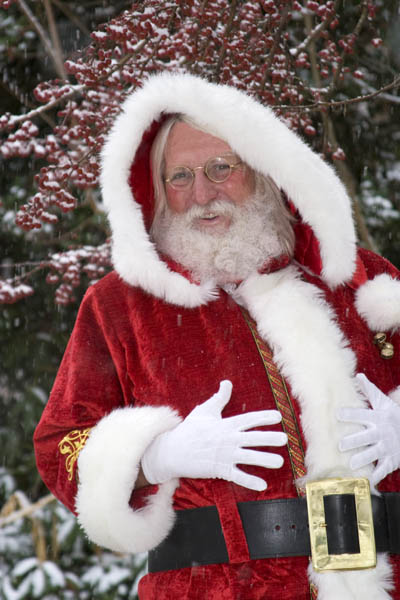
[204,168]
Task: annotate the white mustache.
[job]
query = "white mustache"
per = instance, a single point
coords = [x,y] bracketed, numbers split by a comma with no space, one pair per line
[216,207]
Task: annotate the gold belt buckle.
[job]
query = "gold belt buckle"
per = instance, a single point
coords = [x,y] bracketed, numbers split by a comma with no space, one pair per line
[321,559]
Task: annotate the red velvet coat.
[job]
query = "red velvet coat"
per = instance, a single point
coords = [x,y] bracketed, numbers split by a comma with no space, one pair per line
[149,345]
[129,349]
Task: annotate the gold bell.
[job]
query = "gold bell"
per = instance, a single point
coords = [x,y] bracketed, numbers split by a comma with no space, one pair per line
[379,338]
[386,349]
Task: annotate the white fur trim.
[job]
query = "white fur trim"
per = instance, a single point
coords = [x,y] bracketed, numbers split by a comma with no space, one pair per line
[260,138]
[378,302]
[313,355]
[108,467]
[368,584]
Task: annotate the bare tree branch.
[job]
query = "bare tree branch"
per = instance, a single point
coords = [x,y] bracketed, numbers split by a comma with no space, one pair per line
[26,510]
[55,38]
[382,95]
[15,120]
[333,85]
[341,103]
[71,16]
[351,185]
[330,138]
[42,35]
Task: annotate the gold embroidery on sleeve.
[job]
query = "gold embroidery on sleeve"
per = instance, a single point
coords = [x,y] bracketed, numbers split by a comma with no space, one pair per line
[71,445]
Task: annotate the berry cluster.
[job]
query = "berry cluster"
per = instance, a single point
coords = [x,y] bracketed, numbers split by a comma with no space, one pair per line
[12,290]
[67,268]
[291,55]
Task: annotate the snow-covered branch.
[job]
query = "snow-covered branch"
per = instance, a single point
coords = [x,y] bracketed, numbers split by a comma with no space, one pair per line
[370,92]
[27,510]
[335,104]
[302,67]
[329,14]
[63,93]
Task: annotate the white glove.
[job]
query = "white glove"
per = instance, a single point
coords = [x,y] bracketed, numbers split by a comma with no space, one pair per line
[207,445]
[380,440]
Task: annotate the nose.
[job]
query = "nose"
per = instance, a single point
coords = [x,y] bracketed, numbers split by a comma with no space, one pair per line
[203,190]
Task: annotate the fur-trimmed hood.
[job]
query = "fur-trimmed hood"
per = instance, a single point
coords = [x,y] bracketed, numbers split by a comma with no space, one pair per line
[326,240]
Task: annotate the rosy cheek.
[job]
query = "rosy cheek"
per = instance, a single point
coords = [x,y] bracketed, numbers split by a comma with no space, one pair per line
[239,190]
[177,201]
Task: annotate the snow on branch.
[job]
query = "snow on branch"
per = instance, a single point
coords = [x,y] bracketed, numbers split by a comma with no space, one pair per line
[327,11]
[335,104]
[299,58]
[60,94]
[10,513]
[11,290]
[65,270]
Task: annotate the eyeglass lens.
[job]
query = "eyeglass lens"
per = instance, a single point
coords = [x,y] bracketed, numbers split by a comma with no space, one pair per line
[217,169]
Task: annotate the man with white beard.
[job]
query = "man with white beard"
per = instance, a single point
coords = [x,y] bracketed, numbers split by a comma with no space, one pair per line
[200,224]
[237,270]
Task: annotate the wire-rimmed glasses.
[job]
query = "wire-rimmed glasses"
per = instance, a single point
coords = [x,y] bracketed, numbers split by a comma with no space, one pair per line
[217,169]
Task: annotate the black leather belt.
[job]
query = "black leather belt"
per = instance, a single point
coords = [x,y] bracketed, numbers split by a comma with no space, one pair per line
[273,529]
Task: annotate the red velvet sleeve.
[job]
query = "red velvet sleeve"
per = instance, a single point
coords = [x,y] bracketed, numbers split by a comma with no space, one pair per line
[87,387]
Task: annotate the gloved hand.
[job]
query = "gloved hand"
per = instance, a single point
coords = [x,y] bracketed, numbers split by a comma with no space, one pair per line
[380,440]
[207,445]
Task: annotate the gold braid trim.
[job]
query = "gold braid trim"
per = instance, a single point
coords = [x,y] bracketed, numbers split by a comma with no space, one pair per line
[71,445]
[283,403]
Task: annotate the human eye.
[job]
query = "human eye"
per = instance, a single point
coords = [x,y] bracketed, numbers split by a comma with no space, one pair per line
[180,176]
[218,168]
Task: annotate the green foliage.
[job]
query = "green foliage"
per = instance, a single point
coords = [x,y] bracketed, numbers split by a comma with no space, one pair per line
[44,555]
[47,557]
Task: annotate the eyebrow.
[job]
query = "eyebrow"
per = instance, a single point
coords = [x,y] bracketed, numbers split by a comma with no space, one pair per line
[224,155]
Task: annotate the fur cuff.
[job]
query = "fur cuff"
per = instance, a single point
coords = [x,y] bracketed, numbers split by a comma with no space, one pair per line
[108,467]
[374,584]
[378,302]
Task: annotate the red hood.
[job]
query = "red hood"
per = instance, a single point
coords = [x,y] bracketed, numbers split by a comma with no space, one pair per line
[325,235]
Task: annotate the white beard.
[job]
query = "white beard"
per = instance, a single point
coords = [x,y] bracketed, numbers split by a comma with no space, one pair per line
[252,239]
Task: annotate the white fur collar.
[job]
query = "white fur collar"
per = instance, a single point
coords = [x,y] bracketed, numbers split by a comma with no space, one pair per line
[260,138]
[312,354]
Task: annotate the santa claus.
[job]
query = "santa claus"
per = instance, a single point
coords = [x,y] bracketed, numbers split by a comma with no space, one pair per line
[229,398]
